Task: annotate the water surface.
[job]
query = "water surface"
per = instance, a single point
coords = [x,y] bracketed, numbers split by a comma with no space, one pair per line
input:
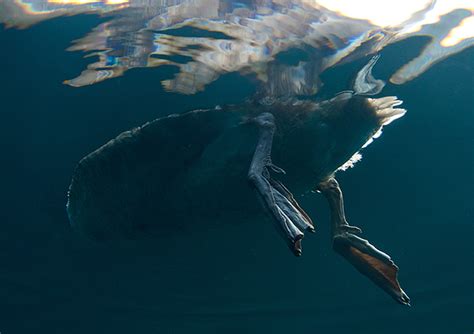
[412,195]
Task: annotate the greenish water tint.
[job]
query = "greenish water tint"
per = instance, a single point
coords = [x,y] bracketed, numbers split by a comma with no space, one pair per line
[411,194]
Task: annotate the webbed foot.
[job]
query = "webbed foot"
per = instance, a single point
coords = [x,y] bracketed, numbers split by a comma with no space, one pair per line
[290,218]
[367,259]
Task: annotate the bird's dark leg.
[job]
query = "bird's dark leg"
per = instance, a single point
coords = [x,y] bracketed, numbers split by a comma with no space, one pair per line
[280,204]
[367,259]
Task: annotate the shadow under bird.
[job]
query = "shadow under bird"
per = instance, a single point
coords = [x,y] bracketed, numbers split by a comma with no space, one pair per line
[217,165]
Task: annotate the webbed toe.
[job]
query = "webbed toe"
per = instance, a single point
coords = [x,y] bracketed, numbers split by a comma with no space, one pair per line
[371,262]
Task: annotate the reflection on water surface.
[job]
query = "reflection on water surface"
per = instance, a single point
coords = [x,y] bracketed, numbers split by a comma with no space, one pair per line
[207,38]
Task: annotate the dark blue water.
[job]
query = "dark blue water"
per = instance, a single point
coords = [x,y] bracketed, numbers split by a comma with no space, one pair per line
[412,194]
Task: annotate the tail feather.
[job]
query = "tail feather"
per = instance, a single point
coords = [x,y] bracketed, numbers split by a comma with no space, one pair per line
[385,109]
[385,112]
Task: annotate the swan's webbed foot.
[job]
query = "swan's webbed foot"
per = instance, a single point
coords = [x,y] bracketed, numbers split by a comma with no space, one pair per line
[280,204]
[367,259]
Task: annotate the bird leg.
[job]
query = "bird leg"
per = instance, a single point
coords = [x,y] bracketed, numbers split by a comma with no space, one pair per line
[279,203]
[367,259]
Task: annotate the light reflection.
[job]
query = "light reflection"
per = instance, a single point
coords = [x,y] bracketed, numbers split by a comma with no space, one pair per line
[462,32]
[381,13]
[84,2]
[328,32]
[444,42]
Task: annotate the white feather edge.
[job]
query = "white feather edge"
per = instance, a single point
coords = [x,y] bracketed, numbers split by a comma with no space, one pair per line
[387,113]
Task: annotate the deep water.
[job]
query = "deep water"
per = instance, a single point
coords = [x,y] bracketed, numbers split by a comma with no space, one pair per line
[412,194]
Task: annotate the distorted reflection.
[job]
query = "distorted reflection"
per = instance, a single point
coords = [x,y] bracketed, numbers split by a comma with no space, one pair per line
[207,38]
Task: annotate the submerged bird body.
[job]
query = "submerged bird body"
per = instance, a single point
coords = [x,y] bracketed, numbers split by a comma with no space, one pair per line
[207,168]
[196,164]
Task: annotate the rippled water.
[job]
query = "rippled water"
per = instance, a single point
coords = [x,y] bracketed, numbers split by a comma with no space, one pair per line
[206,38]
[412,192]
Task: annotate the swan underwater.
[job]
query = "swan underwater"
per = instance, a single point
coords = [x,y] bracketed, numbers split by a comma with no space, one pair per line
[207,165]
